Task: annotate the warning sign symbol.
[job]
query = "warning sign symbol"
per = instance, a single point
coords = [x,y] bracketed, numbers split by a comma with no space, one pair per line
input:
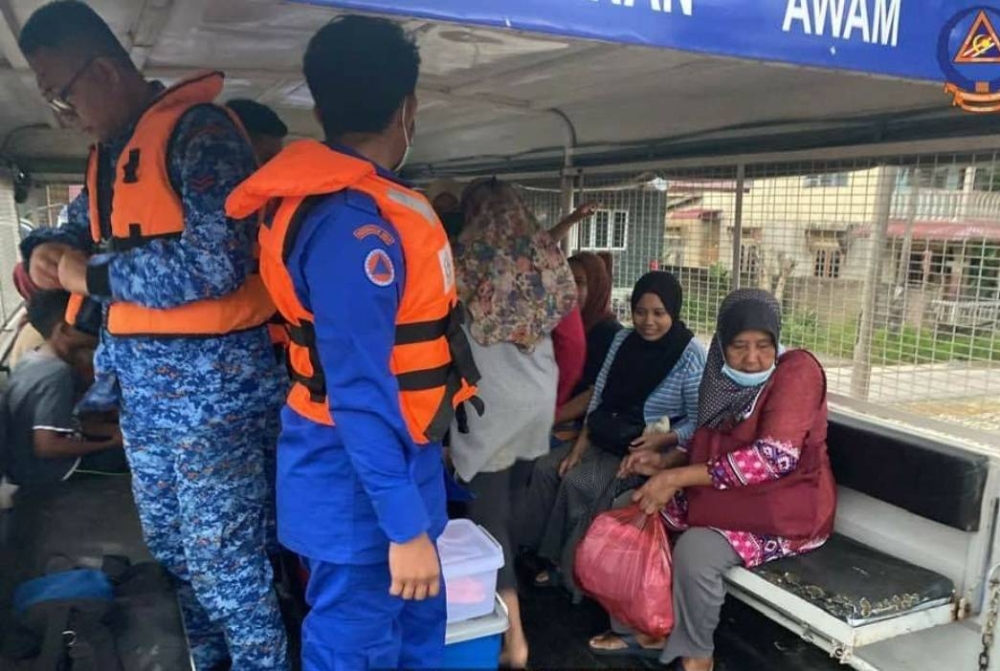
[981,45]
[379,268]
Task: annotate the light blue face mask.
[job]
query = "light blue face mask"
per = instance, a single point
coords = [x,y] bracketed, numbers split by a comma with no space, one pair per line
[748,379]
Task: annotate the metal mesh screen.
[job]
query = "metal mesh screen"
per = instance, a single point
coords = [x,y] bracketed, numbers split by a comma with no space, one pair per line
[888,270]
[42,215]
[10,300]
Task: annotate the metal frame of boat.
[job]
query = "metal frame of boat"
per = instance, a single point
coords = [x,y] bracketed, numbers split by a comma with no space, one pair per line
[546,89]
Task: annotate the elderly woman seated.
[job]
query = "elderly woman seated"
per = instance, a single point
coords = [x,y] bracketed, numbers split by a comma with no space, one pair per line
[757,486]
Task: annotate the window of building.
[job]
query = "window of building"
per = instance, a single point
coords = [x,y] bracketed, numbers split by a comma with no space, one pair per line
[946,178]
[829,179]
[828,252]
[606,230]
[750,259]
[927,265]
[827,263]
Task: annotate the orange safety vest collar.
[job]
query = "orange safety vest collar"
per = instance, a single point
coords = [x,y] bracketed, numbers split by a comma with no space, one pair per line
[145,206]
[431,359]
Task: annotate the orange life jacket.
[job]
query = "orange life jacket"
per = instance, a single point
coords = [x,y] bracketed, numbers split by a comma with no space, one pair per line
[431,359]
[145,206]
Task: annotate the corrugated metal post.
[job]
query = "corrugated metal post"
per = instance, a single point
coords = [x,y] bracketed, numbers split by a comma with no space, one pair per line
[862,371]
[741,173]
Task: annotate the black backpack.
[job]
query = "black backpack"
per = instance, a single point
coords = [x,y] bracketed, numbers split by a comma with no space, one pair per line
[132,624]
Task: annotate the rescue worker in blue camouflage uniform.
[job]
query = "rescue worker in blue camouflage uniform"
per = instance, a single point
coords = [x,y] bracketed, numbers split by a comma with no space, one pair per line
[266,129]
[184,348]
[360,266]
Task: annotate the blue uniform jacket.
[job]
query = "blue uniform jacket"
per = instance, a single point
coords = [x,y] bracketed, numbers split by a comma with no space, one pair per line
[181,383]
[346,491]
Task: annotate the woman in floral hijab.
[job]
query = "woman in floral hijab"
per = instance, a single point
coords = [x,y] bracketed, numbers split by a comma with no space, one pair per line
[517,287]
[512,277]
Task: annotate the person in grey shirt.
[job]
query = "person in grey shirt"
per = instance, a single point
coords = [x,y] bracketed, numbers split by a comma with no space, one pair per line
[45,442]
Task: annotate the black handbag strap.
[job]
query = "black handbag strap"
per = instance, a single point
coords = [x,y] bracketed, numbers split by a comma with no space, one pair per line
[52,654]
[90,642]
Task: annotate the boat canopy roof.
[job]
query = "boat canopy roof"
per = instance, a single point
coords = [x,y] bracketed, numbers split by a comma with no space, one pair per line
[518,85]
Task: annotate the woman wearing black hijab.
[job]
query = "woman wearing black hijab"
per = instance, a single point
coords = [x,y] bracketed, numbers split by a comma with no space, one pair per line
[650,377]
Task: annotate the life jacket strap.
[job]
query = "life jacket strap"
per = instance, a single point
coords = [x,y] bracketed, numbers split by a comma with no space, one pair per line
[417,332]
[304,335]
[428,378]
[461,350]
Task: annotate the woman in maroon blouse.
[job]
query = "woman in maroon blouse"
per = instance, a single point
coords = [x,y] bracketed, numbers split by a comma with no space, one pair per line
[757,486]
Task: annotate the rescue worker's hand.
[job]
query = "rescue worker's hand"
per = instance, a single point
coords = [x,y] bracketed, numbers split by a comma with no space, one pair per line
[73,272]
[415,569]
[44,264]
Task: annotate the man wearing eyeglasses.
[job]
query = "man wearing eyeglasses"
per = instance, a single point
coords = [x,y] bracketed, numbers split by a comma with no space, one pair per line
[184,349]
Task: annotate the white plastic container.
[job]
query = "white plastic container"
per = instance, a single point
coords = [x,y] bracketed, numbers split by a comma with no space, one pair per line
[470,559]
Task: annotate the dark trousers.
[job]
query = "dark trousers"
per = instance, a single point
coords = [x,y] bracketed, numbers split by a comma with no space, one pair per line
[496,496]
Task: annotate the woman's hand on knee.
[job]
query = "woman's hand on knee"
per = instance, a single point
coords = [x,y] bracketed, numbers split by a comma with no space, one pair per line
[570,462]
[575,456]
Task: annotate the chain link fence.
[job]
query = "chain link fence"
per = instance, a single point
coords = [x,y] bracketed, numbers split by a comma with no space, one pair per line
[888,269]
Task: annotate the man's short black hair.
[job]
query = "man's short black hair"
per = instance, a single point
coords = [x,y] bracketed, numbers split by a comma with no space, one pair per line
[72,27]
[359,70]
[47,309]
[258,119]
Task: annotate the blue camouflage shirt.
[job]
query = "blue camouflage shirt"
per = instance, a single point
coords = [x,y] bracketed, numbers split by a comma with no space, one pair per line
[172,383]
[345,491]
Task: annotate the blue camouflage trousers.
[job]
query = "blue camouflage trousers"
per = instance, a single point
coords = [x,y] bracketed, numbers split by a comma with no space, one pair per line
[203,501]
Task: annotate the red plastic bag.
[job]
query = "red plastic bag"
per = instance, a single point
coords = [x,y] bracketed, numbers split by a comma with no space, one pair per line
[623,563]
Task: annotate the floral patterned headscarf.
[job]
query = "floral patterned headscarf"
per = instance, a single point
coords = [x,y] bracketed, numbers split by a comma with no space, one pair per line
[512,277]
